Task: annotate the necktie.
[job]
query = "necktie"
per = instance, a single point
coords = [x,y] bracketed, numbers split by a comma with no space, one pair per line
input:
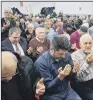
[17,49]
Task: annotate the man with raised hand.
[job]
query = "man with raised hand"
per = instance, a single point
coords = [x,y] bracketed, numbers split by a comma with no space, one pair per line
[84,58]
[55,66]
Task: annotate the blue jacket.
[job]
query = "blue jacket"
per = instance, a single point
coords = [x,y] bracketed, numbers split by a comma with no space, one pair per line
[47,68]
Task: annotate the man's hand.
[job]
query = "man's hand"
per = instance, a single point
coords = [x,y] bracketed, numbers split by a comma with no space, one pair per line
[76,68]
[30,50]
[6,26]
[65,72]
[89,58]
[40,88]
[39,49]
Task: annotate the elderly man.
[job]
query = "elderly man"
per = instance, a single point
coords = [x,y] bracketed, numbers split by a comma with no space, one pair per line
[84,59]
[30,32]
[14,42]
[55,67]
[17,85]
[5,23]
[39,44]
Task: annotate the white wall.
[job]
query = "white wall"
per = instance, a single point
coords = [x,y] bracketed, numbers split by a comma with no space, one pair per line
[73,7]
[28,7]
[65,7]
[35,7]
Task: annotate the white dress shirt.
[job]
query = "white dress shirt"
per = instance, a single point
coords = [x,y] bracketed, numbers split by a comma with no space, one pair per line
[20,48]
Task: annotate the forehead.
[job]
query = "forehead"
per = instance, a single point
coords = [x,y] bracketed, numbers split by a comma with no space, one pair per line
[8,10]
[86,39]
[41,30]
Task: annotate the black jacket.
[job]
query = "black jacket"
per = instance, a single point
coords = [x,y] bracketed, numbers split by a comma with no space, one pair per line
[25,68]
[23,80]
[6,43]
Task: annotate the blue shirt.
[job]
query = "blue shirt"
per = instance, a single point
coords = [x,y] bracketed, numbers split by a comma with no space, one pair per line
[47,67]
[51,34]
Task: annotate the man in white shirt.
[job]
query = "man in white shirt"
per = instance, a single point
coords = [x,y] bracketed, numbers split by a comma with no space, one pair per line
[84,59]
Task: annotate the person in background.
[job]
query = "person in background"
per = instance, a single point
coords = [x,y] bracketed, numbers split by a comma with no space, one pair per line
[5,23]
[50,33]
[59,26]
[30,33]
[39,44]
[90,30]
[22,25]
[75,37]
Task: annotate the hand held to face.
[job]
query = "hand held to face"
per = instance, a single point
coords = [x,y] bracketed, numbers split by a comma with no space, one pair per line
[76,68]
[89,58]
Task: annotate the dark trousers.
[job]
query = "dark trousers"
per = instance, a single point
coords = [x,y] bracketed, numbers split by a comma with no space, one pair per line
[84,89]
[70,94]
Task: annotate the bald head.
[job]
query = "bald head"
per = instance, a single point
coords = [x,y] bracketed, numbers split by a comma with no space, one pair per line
[40,33]
[30,25]
[9,64]
[86,43]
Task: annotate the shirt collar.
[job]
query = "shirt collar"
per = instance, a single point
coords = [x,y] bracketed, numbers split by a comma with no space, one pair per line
[39,40]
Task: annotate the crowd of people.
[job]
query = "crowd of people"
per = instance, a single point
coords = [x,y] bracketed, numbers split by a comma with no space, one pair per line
[46,57]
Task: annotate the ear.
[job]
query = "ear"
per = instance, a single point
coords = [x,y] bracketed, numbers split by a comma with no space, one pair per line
[51,50]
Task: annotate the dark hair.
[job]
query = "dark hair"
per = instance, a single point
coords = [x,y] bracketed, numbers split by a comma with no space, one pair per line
[60,18]
[91,23]
[14,29]
[60,43]
[84,29]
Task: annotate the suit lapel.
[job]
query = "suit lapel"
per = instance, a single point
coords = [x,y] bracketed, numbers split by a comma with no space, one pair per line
[10,44]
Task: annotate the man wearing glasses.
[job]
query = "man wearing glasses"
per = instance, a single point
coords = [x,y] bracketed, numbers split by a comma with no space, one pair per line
[15,85]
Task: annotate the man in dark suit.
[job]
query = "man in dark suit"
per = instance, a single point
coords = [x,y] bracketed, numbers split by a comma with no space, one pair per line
[14,42]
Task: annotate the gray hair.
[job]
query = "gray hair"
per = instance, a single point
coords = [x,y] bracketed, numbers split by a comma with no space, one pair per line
[9,9]
[85,36]
[14,29]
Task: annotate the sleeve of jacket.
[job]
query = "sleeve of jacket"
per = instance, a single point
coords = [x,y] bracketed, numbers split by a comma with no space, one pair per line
[45,73]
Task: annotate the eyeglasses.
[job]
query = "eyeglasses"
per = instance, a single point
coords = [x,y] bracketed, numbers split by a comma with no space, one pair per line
[12,75]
